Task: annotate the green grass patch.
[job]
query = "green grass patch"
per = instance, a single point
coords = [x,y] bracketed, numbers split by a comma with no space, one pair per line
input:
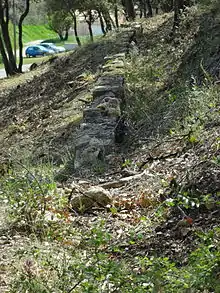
[30,60]
[43,32]
[72,39]
[34,32]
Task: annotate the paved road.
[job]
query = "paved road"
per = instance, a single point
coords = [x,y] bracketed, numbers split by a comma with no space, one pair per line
[24,68]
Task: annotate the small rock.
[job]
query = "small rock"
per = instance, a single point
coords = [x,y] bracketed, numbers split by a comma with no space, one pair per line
[4,242]
[67,190]
[95,196]
[83,183]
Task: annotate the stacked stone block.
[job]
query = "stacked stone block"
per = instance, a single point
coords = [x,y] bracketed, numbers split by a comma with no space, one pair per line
[98,131]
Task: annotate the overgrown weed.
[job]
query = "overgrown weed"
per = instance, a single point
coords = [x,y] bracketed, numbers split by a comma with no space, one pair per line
[98,267]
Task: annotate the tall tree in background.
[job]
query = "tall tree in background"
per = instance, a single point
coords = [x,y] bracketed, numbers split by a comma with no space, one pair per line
[5,41]
[143,8]
[69,7]
[60,22]
[6,49]
[73,14]
[20,43]
[89,18]
[149,6]
[129,9]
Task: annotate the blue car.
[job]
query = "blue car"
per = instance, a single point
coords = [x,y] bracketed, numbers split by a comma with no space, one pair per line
[36,50]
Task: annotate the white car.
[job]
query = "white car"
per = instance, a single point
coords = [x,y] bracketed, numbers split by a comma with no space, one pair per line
[51,46]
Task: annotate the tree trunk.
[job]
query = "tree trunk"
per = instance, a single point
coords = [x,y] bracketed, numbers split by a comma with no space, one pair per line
[112,22]
[145,8]
[6,63]
[102,24]
[107,19]
[107,22]
[116,16]
[5,38]
[73,14]
[60,36]
[89,22]
[150,11]
[66,36]
[141,12]
[178,6]
[167,6]
[20,34]
[129,5]
[141,8]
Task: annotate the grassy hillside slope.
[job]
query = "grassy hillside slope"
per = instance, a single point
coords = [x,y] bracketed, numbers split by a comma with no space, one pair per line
[161,232]
[35,32]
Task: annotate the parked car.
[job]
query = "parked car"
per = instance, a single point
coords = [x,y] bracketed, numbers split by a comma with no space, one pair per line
[51,46]
[36,50]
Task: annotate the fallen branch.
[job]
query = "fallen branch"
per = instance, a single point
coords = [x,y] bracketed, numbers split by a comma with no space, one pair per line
[122,181]
[84,101]
[150,158]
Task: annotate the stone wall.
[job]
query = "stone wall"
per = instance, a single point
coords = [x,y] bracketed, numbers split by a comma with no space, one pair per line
[101,127]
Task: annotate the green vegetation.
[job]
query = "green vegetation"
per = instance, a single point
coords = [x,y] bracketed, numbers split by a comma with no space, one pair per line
[37,32]
[71,40]
[159,235]
[43,32]
[32,60]
[90,261]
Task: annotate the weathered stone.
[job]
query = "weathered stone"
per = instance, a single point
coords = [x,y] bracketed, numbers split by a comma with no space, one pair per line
[133,48]
[94,197]
[120,56]
[90,151]
[101,90]
[125,50]
[90,131]
[92,115]
[110,106]
[116,62]
[111,80]
[112,66]
[125,25]
[33,66]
